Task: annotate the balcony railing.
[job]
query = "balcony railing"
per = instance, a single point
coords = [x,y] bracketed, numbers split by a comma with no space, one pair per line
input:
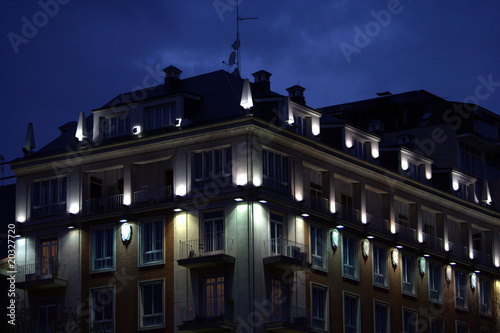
[47,210]
[206,247]
[212,313]
[378,223]
[406,233]
[320,204]
[153,195]
[347,214]
[285,254]
[458,250]
[219,181]
[103,205]
[282,313]
[433,242]
[41,271]
[482,258]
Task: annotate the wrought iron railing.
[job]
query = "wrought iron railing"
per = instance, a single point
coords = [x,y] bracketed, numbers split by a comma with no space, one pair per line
[103,205]
[153,195]
[40,271]
[206,247]
[282,313]
[209,311]
[284,247]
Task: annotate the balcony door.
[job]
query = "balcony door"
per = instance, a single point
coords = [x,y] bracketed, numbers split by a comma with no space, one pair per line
[48,260]
[276,234]
[213,228]
[213,297]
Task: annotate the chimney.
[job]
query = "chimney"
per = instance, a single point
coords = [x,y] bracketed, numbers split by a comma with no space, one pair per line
[261,81]
[296,94]
[172,78]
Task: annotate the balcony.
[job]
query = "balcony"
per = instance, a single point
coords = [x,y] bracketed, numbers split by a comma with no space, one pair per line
[406,233]
[40,276]
[320,204]
[207,252]
[377,223]
[285,254]
[433,242]
[103,205]
[210,316]
[153,195]
[347,214]
[458,250]
[482,258]
[285,318]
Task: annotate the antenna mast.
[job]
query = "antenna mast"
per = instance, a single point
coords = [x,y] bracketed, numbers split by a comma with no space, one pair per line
[235,56]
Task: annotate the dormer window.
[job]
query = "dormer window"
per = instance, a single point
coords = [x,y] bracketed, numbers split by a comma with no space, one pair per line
[301,125]
[159,116]
[115,125]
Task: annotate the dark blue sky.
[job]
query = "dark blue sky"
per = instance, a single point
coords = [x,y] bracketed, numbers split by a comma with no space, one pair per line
[61,57]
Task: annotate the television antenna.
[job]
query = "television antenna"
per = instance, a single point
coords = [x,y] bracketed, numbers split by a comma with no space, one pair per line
[235,56]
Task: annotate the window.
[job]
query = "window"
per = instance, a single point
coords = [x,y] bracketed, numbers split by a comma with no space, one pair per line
[484,296]
[151,300]
[349,257]
[301,124]
[319,307]
[461,290]
[102,308]
[351,313]
[213,228]
[435,282]
[476,241]
[48,197]
[436,324]
[115,126]
[47,314]
[159,116]
[152,242]
[317,247]
[429,222]
[408,275]
[48,258]
[410,320]
[379,266]
[103,248]
[470,159]
[358,149]
[464,191]
[276,233]
[212,168]
[462,327]
[414,171]
[213,297]
[275,171]
[278,300]
[402,213]
[381,317]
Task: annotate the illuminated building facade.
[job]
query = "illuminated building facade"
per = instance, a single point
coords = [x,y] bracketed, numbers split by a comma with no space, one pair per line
[214,204]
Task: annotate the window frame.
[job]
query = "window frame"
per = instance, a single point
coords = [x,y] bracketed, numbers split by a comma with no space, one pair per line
[385,264]
[480,293]
[354,252]
[357,298]
[465,289]
[38,201]
[112,289]
[313,244]
[142,242]
[406,309]
[413,274]
[218,306]
[440,281]
[206,171]
[388,318]
[115,125]
[163,108]
[440,318]
[459,323]
[276,175]
[325,305]
[140,305]
[93,250]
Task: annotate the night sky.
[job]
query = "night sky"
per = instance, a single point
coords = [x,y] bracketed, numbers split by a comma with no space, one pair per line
[61,57]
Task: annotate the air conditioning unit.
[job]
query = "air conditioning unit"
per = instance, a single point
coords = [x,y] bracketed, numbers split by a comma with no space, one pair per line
[293,251]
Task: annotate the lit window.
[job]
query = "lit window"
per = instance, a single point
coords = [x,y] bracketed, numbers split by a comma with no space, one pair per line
[152,242]
[115,126]
[382,317]
[484,296]
[48,197]
[408,275]
[349,257]
[462,327]
[212,168]
[379,266]
[317,247]
[436,324]
[351,313]
[461,290]
[435,282]
[213,302]
[278,300]
[319,307]
[151,300]
[275,171]
[159,116]
[103,248]
[410,320]
[102,309]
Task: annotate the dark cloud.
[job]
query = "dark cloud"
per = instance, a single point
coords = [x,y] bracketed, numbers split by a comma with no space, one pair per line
[89,51]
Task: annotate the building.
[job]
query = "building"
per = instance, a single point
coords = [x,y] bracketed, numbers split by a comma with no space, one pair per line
[210,204]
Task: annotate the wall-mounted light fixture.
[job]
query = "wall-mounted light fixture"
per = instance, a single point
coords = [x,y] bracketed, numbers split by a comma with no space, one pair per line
[365,248]
[448,273]
[473,281]
[335,239]
[126,232]
[136,130]
[395,258]
[421,266]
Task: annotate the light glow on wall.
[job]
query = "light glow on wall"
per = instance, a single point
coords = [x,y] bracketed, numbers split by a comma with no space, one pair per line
[404,162]
[497,262]
[74,208]
[393,227]
[127,199]
[375,151]
[180,190]
[454,182]
[471,253]
[333,209]
[420,237]
[21,219]
[241,179]
[348,139]
[428,171]
[363,217]
[315,129]
[246,95]
[298,196]
[446,246]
